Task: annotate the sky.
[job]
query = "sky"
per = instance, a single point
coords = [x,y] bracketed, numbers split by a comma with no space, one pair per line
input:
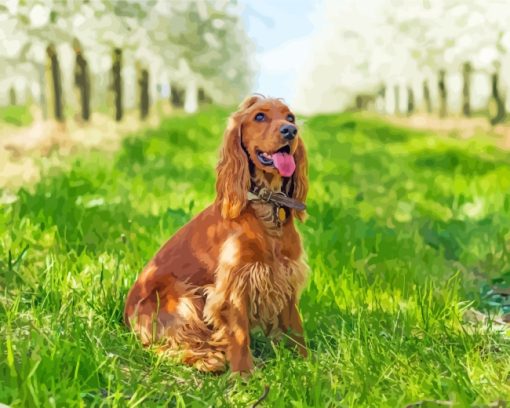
[280,30]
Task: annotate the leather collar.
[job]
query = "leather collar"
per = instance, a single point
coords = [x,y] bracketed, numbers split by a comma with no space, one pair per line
[278,199]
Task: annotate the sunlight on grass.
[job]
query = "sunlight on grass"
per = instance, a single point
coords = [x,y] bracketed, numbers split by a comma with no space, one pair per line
[404,229]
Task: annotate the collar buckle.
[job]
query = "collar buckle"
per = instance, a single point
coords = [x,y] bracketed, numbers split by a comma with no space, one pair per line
[278,199]
[265,194]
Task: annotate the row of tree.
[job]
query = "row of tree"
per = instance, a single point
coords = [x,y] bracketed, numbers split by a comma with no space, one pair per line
[495,109]
[192,51]
[400,55]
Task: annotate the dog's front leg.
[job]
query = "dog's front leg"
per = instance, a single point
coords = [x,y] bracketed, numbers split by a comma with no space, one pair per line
[290,323]
[238,329]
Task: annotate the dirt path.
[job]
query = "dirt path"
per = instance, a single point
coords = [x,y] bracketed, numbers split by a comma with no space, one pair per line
[25,151]
[461,127]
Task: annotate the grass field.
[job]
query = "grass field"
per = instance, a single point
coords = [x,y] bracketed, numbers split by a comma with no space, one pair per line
[406,231]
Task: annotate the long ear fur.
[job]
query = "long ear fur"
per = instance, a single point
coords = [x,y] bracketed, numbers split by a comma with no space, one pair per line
[233,174]
[300,177]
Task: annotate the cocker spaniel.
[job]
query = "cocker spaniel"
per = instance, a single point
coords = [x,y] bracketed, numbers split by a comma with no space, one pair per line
[238,264]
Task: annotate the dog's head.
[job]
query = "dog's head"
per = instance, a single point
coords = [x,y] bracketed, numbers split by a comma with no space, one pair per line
[261,134]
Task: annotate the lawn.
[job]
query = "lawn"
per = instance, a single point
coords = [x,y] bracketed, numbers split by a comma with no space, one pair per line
[406,231]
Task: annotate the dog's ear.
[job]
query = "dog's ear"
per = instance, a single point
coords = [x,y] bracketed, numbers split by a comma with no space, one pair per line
[248,102]
[233,174]
[300,177]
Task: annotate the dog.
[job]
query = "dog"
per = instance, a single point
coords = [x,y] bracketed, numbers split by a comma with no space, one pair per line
[238,264]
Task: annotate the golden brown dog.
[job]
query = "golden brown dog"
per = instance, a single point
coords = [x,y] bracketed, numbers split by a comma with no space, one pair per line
[238,264]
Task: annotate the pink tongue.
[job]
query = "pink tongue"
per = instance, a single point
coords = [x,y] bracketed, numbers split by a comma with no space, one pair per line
[285,164]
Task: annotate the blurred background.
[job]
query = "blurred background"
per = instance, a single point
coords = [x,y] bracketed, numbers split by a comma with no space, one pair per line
[85,71]
[71,59]
[446,57]
[74,58]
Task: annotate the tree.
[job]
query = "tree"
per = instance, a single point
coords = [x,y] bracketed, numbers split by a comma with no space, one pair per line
[56,81]
[426,96]
[199,44]
[12,96]
[82,80]
[176,96]
[209,47]
[396,92]
[466,89]
[143,83]
[117,83]
[497,113]
[410,100]
[443,94]
[400,41]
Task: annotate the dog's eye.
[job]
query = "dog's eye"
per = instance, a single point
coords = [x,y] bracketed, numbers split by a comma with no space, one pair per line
[291,118]
[259,117]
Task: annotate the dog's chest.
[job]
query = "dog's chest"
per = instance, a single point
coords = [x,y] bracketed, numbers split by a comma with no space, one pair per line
[271,217]
[270,289]
[260,289]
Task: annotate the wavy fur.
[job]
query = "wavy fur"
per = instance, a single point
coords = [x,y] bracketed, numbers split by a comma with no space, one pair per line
[231,268]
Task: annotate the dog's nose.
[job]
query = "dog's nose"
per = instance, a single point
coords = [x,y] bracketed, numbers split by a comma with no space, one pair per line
[288,132]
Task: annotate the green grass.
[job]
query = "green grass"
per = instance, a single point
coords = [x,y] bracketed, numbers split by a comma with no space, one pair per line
[406,229]
[18,115]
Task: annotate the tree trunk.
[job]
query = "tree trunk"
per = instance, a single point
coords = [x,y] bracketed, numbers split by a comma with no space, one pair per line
[497,101]
[359,102]
[426,96]
[117,83]
[42,94]
[143,83]
[176,96]
[382,94]
[466,90]
[82,81]
[12,96]
[410,100]
[442,94]
[397,99]
[203,98]
[56,79]
[191,98]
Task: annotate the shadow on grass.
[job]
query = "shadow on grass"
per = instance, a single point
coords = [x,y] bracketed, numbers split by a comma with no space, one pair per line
[451,161]
[373,128]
